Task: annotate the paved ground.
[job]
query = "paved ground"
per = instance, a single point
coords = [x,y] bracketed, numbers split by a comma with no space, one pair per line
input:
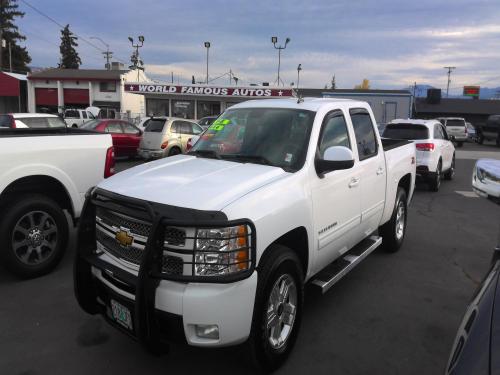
[394,314]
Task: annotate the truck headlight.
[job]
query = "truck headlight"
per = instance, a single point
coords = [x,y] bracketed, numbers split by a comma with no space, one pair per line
[221,251]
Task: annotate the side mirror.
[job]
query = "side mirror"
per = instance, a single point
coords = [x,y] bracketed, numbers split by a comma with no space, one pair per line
[335,158]
[139,133]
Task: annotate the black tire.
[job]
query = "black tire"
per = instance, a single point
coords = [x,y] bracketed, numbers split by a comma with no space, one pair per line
[435,179]
[52,246]
[277,263]
[174,151]
[450,173]
[460,144]
[392,238]
[74,126]
[480,140]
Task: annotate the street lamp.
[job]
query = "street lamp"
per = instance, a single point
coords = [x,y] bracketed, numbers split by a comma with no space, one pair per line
[299,68]
[274,40]
[207,46]
[136,62]
[107,54]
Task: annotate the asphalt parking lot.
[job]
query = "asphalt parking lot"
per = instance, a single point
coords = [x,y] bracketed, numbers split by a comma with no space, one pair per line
[394,314]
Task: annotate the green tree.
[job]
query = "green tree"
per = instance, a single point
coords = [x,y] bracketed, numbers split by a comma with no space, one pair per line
[10,33]
[69,56]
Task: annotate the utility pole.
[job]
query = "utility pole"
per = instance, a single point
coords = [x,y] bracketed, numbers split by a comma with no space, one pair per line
[207,46]
[10,56]
[274,40]
[450,69]
[107,54]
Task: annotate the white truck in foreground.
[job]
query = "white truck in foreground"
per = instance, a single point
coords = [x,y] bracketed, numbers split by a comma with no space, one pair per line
[44,172]
[214,247]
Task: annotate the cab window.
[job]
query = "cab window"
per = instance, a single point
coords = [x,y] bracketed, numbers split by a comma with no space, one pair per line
[364,132]
[333,133]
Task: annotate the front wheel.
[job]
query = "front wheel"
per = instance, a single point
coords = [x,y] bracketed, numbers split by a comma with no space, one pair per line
[393,232]
[33,235]
[278,308]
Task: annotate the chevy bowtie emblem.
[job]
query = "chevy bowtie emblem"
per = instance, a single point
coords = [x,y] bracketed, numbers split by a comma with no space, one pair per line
[124,238]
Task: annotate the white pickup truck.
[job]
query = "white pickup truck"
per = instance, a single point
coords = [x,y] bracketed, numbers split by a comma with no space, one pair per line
[43,172]
[214,247]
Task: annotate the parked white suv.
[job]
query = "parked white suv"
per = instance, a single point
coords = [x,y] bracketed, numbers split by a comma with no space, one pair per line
[435,152]
[213,248]
[74,118]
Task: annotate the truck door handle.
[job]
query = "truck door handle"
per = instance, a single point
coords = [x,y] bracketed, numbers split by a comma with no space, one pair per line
[354,182]
[380,171]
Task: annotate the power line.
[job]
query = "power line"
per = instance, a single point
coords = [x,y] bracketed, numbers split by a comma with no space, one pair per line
[62,26]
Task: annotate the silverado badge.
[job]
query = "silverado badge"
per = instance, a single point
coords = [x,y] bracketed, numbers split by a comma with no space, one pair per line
[124,238]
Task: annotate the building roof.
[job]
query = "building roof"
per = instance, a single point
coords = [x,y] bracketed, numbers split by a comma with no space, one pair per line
[459,106]
[20,77]
[351,92]
[82,74]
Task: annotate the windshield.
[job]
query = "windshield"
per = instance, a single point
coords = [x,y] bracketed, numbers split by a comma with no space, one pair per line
[90,125]
[272,136]
[406,131]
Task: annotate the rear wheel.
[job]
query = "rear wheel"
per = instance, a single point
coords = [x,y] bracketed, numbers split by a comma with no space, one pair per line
[278,308]
[460,144]
[174,151]
[33,235]
[450,173]
[393,232]
[480,139]
[435,180]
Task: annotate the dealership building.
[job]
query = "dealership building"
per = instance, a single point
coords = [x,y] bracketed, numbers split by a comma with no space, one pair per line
[53,90]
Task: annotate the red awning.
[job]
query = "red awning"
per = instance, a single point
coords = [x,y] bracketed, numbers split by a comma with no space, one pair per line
[9,85]
[46,96]
[76,96]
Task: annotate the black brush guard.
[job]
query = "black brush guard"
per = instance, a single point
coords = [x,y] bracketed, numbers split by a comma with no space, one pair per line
[146,328]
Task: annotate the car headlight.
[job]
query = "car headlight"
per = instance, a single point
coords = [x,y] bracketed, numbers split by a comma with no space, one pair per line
[222,251]
[480,174]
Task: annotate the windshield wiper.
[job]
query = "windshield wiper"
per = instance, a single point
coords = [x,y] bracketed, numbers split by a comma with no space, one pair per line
[251,158]
[205,154]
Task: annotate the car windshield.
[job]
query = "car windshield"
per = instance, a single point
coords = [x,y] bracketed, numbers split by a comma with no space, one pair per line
[271,136]
[406,131]
[455,123]
[90,125]
[155,126]
[42,122]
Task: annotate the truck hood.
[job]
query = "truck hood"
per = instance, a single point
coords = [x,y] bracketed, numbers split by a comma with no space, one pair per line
[188,181]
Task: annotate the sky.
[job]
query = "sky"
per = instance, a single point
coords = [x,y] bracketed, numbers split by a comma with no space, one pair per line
[392,43]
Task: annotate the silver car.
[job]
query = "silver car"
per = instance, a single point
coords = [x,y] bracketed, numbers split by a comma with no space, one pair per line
[166,136]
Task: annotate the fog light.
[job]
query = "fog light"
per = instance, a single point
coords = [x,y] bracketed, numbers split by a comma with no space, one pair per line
[207,331]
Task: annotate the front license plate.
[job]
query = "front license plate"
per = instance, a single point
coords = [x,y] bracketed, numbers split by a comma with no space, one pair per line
[121,315]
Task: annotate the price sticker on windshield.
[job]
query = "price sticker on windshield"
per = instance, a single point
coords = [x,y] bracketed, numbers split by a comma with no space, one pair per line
[218,125]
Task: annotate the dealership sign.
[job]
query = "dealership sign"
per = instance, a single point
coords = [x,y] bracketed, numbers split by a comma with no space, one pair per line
[472,91]
[245,92]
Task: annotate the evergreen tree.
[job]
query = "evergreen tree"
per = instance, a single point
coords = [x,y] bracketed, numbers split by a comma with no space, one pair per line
[69,56]
[10,33]
[333,84]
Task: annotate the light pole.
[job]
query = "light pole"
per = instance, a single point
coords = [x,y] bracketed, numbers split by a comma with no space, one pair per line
[136,62]
[107,54]
[207,46]
[450,69]
[299,68]
[274,40]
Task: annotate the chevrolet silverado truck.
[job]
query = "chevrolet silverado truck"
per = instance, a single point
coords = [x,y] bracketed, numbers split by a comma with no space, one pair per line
[44,172]
[214,247]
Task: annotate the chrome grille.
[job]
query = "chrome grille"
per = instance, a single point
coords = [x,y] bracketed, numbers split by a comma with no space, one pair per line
[109,223]
[172,265]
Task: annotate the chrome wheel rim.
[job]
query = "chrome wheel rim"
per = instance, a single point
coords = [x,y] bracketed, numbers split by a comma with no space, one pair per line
[400,220]
[34,237]
[281,311]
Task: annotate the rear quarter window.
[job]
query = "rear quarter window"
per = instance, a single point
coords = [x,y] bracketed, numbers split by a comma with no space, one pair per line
[406,131]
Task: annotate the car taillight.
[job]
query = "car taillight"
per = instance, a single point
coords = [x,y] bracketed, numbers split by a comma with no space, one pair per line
[109,165]
[164,145]
[189,144]
[425,146]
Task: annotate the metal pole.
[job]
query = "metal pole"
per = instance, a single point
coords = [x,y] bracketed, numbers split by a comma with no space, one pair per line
[279,63]
[10,56]
[172,77]
[207,63]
